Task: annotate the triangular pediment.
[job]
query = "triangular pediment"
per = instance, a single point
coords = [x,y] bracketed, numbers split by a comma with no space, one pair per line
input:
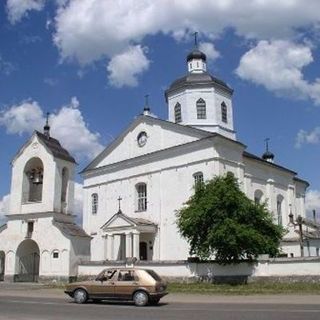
[119,220]
[144,136]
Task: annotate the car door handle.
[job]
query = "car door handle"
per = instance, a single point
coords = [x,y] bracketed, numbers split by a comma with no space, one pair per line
[135,283]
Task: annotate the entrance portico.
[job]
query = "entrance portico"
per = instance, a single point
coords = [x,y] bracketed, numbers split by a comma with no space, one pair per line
[123,236]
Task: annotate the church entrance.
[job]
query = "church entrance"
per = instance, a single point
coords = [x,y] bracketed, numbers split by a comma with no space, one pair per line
[143,251]
[27,261]
[2,264]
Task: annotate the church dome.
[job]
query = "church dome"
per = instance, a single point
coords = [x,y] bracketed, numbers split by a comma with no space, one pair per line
[196,54]
[268,156]
[192,80]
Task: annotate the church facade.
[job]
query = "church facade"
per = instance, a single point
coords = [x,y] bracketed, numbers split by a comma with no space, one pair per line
[153,166]
[133,189]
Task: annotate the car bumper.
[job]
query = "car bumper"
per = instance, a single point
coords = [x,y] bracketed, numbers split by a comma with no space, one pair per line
[157,295]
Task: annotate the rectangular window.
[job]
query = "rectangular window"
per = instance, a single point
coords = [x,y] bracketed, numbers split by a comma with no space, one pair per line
[55,255]
[142,197]
[201,111]
[30,229]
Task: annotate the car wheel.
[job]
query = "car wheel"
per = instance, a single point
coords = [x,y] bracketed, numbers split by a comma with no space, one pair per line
[80,296]
[140,298]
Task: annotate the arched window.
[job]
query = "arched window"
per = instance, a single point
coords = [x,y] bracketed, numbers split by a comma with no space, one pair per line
[201,109]
[224,113]
[279,209]
[177,113]
[94,203]
[198,179]
[141,196]
[33,181]
[258,194]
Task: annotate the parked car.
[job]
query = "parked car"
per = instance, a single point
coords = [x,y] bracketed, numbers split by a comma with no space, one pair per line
[142,286]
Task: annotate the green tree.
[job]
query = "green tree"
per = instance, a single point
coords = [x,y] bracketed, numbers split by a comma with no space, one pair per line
[219,219]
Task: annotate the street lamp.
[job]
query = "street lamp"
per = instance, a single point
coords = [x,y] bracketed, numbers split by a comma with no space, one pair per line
[298,223]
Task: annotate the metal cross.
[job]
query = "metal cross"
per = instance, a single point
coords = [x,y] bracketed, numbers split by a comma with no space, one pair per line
[267,143]
[195,39]
[47,120]
[119,199]
[146,97]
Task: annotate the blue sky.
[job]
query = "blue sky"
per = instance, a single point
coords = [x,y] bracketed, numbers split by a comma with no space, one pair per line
[90,63]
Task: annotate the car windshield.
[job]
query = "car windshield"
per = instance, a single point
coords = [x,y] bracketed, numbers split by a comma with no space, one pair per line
[154,275]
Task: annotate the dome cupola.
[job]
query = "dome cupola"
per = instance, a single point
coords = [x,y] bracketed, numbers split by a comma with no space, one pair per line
[268,155]
[196,59]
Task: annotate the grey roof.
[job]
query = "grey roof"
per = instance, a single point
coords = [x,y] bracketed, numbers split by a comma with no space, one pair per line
[55,147]
[197,79]
[71,229]
[254,157]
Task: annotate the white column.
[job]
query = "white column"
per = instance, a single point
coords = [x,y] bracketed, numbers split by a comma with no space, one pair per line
[110,247]
[156,245]
[105,247]
[136,244]
[128,245]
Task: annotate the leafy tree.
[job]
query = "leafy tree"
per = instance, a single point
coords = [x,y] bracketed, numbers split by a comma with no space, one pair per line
[219,219]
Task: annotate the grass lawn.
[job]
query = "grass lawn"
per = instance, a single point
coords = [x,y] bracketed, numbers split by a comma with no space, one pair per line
[246,289]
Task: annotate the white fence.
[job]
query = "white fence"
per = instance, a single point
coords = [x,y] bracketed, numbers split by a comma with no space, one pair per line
[279,267]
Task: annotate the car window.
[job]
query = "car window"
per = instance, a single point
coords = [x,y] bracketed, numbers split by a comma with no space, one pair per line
[154,275]
[127,275]
[106,275]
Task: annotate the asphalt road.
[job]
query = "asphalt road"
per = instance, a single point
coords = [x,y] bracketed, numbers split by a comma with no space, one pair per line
[55,308]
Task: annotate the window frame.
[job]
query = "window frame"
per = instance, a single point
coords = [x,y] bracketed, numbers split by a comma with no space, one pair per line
[177,113]
[201,109]
[141,197]
[198,179]
[94,203]
[224,112]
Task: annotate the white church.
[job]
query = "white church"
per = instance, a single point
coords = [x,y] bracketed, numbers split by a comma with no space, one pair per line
[134,187]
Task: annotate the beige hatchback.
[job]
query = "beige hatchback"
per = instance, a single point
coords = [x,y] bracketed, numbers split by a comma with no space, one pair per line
[142,286]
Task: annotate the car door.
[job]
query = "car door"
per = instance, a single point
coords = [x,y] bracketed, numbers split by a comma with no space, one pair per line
[126,283]
[103,286]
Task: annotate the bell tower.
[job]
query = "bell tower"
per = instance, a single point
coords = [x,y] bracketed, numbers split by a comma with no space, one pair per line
[199,99]
[42,176]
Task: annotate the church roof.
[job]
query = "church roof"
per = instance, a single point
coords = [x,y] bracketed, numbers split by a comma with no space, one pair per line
[254,157]
[135,222]
[55,147]
[71,229]
[197,79]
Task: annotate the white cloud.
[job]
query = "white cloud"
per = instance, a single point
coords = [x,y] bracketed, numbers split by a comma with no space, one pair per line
[91,30]
[209,49]
[67,125]
[4,207]
[313,137]
[25,117]
[17,9]
[313,202]
[124,68]
[277,65]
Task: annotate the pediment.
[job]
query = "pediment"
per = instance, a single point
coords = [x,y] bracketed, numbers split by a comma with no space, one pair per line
[119,220]
[156,135]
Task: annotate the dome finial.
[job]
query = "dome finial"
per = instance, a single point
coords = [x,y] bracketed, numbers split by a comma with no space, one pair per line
[146,109]
[46,128]
[268,156]
[196,39]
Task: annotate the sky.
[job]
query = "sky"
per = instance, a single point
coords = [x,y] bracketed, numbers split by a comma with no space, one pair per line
[90,63]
